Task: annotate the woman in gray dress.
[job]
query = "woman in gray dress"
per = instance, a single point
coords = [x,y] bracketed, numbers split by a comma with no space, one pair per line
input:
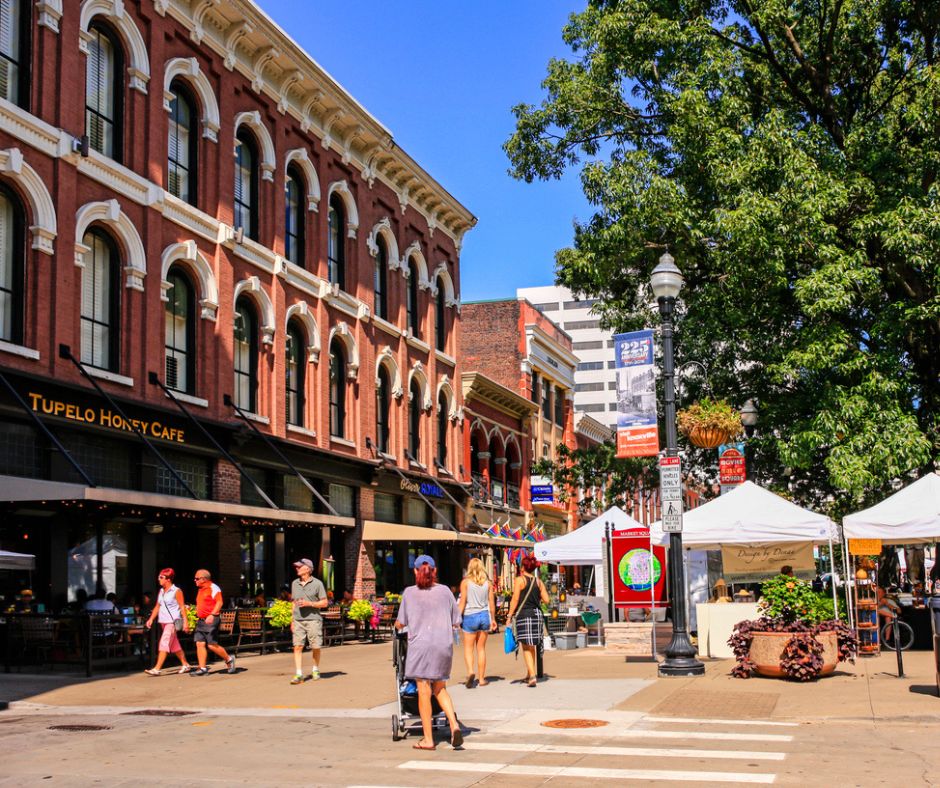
[429,612]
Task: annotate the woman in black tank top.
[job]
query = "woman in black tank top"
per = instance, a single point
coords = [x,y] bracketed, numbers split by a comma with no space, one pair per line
[528,593]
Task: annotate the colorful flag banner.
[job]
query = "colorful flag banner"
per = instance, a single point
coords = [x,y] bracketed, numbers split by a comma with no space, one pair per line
[493,530]
[637,434]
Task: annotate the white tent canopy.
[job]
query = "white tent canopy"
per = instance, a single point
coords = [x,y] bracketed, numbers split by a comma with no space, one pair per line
[583,545]
[910,515]
[749,515]
[17,561]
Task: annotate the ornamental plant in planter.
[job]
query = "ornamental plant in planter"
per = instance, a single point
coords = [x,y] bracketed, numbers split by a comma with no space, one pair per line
[791,639]
[280,613]
[709,423]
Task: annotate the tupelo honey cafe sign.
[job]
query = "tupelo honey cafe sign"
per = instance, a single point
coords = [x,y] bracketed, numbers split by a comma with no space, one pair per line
[103,417]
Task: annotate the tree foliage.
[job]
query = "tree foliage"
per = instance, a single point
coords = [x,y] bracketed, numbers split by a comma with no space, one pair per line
[787,153]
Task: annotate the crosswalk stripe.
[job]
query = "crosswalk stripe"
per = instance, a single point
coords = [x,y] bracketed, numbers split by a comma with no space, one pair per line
[589,772]
[696,721]
[703,735]
[638,752]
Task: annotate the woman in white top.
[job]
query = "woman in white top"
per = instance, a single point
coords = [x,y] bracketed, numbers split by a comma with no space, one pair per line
[478,608]
[169,609]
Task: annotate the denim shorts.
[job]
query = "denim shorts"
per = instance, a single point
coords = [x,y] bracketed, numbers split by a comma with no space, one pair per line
[476,622]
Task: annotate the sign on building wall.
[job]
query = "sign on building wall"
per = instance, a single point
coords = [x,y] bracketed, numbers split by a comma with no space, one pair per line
[541,489]
[767,558]
[637,434]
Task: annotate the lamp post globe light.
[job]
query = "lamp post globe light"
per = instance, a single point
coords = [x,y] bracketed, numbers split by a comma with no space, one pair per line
[666,282]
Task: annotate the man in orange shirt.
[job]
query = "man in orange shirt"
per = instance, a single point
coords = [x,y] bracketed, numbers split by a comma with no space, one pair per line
[208,607]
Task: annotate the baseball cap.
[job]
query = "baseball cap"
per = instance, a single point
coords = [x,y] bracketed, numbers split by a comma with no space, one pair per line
[421,560]
[304,562]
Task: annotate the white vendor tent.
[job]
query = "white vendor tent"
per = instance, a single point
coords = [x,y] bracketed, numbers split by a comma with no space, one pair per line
[15,561]
[909,516]
[583,545]
[749,515]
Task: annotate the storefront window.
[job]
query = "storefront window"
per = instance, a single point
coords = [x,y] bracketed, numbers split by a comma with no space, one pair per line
[416,511]
[109,463]
[193,470]
[253,546]
[384,570]
[20,452]
[296,495]
[83,562]
[342,498]
[114,559]
[386,508]
[250,495]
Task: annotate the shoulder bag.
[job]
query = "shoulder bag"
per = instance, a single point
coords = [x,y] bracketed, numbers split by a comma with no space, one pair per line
[177,622]
[510,641]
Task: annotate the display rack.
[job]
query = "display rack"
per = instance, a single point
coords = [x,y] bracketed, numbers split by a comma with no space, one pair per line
[865,590]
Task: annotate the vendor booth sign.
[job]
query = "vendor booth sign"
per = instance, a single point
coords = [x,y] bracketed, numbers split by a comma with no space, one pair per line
[637,434]
[639,573]
[767,558]
[865,546]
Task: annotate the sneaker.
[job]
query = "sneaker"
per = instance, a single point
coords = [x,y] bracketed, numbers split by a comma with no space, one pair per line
[231,663]
[315,676]
[200,672]
[298,679]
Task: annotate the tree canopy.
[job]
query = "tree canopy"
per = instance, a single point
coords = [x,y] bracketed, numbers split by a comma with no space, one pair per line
[786,152]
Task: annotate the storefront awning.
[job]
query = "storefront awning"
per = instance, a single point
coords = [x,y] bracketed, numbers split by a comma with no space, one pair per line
[15,489]
[375,531]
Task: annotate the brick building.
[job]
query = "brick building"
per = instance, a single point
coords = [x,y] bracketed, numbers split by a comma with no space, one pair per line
[185,192]
[513,344]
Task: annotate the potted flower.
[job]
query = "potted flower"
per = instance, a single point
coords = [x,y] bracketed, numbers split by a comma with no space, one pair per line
[709,423]
[795,637]
[360,611]
[279,614]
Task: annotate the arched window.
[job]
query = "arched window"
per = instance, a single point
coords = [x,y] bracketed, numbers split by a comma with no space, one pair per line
[246,183]
[383,406]
[246,355]
[294,235]
[337,389]
[442,408]
[14,51]
[411,299]
[336,250]
[380,280]
[100,308]
[182,144]
[104,91]
[180,333]
[441,318]
[296,376]
[12,295]
[414,419]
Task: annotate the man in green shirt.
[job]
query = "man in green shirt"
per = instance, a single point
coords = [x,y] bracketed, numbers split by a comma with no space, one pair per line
[309,598]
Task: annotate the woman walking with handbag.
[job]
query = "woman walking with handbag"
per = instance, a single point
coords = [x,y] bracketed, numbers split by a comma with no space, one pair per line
[170,612]
[525,616]
[478,611]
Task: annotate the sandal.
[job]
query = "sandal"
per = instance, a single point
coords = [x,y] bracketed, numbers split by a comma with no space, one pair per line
[152,672]
[533,682]
[456,739]
[482,683]
[469,682]
[184,669]
[420,746]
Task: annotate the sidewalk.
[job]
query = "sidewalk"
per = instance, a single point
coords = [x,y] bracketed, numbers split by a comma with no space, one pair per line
[358,680]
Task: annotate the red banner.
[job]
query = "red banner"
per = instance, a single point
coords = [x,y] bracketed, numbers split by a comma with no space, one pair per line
[639,575]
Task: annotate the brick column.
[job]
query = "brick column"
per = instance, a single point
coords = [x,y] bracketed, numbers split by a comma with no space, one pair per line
[226,482]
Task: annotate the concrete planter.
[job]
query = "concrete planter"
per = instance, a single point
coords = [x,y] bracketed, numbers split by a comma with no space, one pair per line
[767,648]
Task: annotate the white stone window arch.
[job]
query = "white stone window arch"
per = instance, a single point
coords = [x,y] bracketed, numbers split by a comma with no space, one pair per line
[304,315]
[114,12]
[109,213]
[444,387]
[386,358]
[418,373]
[301,158]
[413,252]
[187,69]
[442,274]
[253,289]
[253,121]
[341,332]
[383,229]
[341,188]
[193,261]
[41,208]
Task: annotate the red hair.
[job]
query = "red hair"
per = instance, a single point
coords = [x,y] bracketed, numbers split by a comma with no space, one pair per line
[425,576]
[530,563]
[169,574]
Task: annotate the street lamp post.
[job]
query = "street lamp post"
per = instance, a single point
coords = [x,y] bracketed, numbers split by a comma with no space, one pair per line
[666,282]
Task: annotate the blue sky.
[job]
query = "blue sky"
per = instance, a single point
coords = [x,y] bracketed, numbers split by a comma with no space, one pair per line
[443,78]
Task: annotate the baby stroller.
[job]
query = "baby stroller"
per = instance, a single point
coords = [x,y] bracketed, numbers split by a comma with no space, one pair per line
[408,718]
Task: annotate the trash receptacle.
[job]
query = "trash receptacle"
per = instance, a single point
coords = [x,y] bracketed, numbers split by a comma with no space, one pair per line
[933,604]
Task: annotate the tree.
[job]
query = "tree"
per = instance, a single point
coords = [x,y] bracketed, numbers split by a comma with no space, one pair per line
[787,153]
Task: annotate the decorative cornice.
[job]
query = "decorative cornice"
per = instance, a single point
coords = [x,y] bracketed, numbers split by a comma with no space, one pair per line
[479,388]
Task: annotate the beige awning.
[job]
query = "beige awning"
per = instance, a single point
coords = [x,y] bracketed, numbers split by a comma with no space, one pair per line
[15,489]
[376,531]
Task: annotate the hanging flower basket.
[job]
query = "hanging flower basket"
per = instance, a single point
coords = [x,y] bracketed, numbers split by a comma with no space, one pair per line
[709,423]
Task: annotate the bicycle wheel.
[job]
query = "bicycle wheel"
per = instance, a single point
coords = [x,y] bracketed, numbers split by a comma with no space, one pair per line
[905,634]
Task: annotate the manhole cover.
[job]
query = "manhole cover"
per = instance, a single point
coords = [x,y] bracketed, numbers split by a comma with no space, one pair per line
[157,713]
[574,724]
[80,728]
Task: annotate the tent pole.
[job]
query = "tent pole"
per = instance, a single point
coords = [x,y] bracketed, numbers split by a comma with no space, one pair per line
[832,568]
[849,600]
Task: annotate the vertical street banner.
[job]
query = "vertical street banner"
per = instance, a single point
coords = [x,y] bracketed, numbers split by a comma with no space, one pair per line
[732,469]
[639,569]
[637,434]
